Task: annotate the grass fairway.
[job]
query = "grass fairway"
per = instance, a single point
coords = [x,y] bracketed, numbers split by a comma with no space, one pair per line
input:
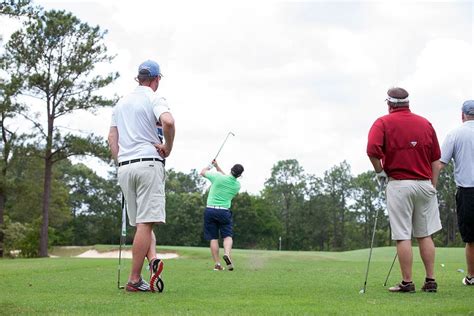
[264,282]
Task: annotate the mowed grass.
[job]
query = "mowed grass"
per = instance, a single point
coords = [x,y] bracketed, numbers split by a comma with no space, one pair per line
[264,282]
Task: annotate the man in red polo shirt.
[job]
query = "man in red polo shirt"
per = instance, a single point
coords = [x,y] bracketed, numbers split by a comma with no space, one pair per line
[404,149]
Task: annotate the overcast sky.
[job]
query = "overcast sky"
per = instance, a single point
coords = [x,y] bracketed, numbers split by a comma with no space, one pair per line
[293,80]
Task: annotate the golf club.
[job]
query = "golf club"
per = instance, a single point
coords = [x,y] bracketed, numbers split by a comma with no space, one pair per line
[389,271]
[382,183]
[225,140]
[123,234]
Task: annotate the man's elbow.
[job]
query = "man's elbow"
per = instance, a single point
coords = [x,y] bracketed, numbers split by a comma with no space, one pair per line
[167,122]
[439,165]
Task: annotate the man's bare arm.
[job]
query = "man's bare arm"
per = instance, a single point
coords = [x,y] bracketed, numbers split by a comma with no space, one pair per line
[113,141]
[376,163]
[436,167]
[218,168]
[167,121]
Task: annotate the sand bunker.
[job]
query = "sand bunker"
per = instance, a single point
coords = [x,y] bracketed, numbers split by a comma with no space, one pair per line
[126,254]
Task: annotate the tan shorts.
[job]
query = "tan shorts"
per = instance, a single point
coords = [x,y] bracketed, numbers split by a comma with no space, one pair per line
[412,209]
[143,185]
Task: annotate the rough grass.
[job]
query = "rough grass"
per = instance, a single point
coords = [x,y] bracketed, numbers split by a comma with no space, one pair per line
[264,282]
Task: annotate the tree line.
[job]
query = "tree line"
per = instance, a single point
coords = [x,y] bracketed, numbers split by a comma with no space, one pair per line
[49,72]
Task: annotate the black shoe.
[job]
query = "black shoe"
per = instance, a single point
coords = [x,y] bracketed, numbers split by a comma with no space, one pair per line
[430,286]
[227,260]
[468,280]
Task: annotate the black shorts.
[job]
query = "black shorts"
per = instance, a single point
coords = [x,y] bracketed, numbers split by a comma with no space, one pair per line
[465,212]
[217,221]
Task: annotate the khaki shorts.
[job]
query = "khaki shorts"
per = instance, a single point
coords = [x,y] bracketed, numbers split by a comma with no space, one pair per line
[412,209]
[143,185]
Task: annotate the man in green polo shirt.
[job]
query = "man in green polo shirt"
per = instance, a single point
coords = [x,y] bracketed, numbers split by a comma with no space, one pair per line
[218,216]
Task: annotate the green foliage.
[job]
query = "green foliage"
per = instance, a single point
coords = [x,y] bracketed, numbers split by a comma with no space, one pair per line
[179,182]
[449,235]
[255,224]
[21,239]
[94,206]
[184,217]
[369,201]
[16,8]
[86,208]
[285,191]
[338,182]
[25,193]
[54,57]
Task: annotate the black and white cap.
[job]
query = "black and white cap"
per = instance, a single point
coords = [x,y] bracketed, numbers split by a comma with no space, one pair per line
[395,100]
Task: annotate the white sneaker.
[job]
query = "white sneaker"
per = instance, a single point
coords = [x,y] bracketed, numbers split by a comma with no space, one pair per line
[468,281]
[218,267]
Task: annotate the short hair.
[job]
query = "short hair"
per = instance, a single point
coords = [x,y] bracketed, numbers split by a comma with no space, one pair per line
[146,80]
[397,93]
[237,170]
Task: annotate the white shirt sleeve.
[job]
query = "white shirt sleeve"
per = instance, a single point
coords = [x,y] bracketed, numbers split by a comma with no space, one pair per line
[160,106]
[113,121]
[447,150]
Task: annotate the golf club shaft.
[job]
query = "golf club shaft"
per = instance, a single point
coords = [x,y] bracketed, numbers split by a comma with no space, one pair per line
[123,234]
[382,184]
[389,271]
[225,140]
[120,263]
[371,247]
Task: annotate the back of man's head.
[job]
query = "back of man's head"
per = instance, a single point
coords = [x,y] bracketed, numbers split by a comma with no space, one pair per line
[397,97]
[148,71]
[237,170]
[468,109]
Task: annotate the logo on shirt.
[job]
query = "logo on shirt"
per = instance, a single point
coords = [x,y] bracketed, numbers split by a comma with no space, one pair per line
[413,144]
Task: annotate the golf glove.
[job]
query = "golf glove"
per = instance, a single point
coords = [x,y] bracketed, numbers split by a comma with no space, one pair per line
[382,177]
[210,166]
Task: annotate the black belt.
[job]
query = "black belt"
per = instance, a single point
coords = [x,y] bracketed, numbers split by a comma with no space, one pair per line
[126,162]
[466,188]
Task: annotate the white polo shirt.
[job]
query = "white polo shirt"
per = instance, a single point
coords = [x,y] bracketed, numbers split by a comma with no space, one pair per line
[136,116]
[459,146]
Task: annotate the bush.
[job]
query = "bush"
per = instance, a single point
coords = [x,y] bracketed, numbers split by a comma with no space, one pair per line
[21,239]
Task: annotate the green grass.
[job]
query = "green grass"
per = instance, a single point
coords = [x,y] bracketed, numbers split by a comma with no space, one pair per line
[264,282]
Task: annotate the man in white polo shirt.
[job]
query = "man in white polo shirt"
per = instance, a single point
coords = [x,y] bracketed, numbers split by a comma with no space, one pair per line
[138,148]
[459,146]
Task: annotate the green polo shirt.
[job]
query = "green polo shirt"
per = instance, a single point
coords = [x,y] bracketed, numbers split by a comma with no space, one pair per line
[223,189]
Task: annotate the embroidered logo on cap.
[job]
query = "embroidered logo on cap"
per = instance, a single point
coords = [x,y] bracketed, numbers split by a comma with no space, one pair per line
[413,144]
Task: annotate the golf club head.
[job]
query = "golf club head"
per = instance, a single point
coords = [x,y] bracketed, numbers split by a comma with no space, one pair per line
[231,133]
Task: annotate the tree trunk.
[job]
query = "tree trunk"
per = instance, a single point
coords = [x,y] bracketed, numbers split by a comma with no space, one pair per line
[2,212]
[287,203]
[46,202]
[48,168]
[343,221]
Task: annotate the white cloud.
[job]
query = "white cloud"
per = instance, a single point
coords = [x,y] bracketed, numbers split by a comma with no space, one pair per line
[292,79]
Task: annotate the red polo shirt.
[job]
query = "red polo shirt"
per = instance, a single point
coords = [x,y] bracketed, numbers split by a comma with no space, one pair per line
[406,143]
